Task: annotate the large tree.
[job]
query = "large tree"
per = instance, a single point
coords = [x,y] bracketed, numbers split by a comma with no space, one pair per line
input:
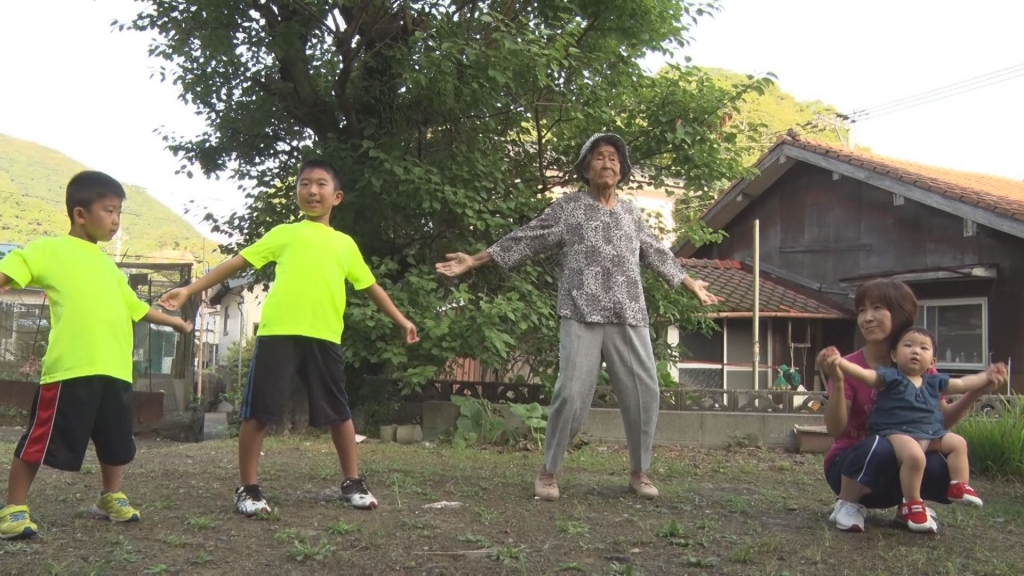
[451,123]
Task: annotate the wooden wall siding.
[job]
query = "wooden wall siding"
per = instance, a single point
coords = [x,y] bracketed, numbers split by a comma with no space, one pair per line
[826,230]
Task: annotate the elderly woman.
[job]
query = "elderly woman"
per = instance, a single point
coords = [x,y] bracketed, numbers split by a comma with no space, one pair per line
[601,242]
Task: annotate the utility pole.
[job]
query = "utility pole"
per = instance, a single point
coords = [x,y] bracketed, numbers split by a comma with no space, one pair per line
[757,301]
[838,122]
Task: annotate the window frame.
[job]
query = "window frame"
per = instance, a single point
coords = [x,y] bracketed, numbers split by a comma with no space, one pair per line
[940,362]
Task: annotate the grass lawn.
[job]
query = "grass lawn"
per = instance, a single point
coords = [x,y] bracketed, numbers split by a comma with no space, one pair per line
[745,511]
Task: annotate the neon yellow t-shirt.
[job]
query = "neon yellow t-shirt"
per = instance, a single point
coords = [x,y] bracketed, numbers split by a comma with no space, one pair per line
[308,294]
[92,308]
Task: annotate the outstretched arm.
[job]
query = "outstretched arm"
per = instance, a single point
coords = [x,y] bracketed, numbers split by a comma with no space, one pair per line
[865,376]
[176,298]
[994,374]
[540,236]
[385,305]
[158,317]
[459,263]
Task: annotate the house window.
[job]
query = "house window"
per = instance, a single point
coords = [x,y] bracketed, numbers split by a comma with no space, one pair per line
[960,327]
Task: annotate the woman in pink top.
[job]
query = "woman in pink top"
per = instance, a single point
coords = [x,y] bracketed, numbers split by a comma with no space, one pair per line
[861,469]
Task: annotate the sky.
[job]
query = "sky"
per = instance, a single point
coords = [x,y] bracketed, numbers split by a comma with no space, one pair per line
[72,84]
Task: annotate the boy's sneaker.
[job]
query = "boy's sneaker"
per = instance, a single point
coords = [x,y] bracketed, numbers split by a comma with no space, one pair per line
[115,507]
[915,516]
[358,495]
[15,523]
[249,501]
[848,516]
[963,493]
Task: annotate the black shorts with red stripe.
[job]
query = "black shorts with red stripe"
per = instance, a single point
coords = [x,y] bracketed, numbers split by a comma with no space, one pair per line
[66,415]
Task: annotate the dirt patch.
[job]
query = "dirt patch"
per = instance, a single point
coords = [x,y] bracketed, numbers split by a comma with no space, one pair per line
[730,512]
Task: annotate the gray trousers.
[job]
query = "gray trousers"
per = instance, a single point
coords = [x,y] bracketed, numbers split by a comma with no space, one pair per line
[628,355]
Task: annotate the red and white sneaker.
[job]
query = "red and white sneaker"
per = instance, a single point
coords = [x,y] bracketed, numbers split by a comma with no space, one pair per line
[915,515]
[963,493]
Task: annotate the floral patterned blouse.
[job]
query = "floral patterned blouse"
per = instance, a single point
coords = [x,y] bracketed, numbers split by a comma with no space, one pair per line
[600,252]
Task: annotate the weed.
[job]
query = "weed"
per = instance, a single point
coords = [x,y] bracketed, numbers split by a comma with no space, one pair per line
[342,528]
[474,539]
[14,547]
[158,569]
[274,515]
[413,524]
[509,552]
[303,551]
[671,529]
[743,555]
[203,557]
[570,567]
[174,540]
[288,535]
[702,562]
[200,522]
[573,528]
[162,504]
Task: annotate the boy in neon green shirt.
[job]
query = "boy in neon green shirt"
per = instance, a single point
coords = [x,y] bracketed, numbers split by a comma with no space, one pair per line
[85,387]
[300,331]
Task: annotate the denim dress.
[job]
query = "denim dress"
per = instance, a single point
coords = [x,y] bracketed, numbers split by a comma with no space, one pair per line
[903,408]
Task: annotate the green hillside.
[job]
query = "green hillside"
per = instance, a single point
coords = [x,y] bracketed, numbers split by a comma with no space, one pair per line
[773,113]
[32,182]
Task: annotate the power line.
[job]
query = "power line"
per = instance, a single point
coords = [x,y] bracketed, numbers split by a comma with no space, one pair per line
[943,92]
[936,99]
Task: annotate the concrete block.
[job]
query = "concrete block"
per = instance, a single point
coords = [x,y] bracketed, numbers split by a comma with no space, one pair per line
[722,429]
[778,428]
[679,428]
[438,417]
[604,424]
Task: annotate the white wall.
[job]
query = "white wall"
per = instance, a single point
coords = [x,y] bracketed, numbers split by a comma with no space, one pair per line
[232,321]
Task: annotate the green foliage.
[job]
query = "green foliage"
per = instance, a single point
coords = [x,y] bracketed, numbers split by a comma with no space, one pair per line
[480,424]
[671,529]
[996,442]
[535,417]
[452,123]
[32,184]
[771,112]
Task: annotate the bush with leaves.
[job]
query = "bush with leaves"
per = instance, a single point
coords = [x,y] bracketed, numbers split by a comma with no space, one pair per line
[451,123]
[480,423]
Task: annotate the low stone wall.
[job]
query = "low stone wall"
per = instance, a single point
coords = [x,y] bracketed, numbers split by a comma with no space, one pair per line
[698,429]
[148,407]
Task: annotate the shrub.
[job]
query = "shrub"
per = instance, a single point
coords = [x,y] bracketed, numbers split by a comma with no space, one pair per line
[996,441]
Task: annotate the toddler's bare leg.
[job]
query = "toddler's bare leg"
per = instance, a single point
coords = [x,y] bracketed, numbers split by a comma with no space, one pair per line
[954,447]
[911,460]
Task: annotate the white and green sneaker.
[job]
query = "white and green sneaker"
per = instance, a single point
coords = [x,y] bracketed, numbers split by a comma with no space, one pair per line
[115,507]
[16,524]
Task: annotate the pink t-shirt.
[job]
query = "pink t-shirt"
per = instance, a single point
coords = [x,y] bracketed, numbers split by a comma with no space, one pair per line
[861,400]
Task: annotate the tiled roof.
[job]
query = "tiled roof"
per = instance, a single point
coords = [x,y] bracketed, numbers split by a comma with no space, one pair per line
[735,282]
[993,193]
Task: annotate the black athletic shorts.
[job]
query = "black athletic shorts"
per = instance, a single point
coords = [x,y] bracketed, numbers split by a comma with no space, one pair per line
[277,361]
[65,415]
[872,462]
